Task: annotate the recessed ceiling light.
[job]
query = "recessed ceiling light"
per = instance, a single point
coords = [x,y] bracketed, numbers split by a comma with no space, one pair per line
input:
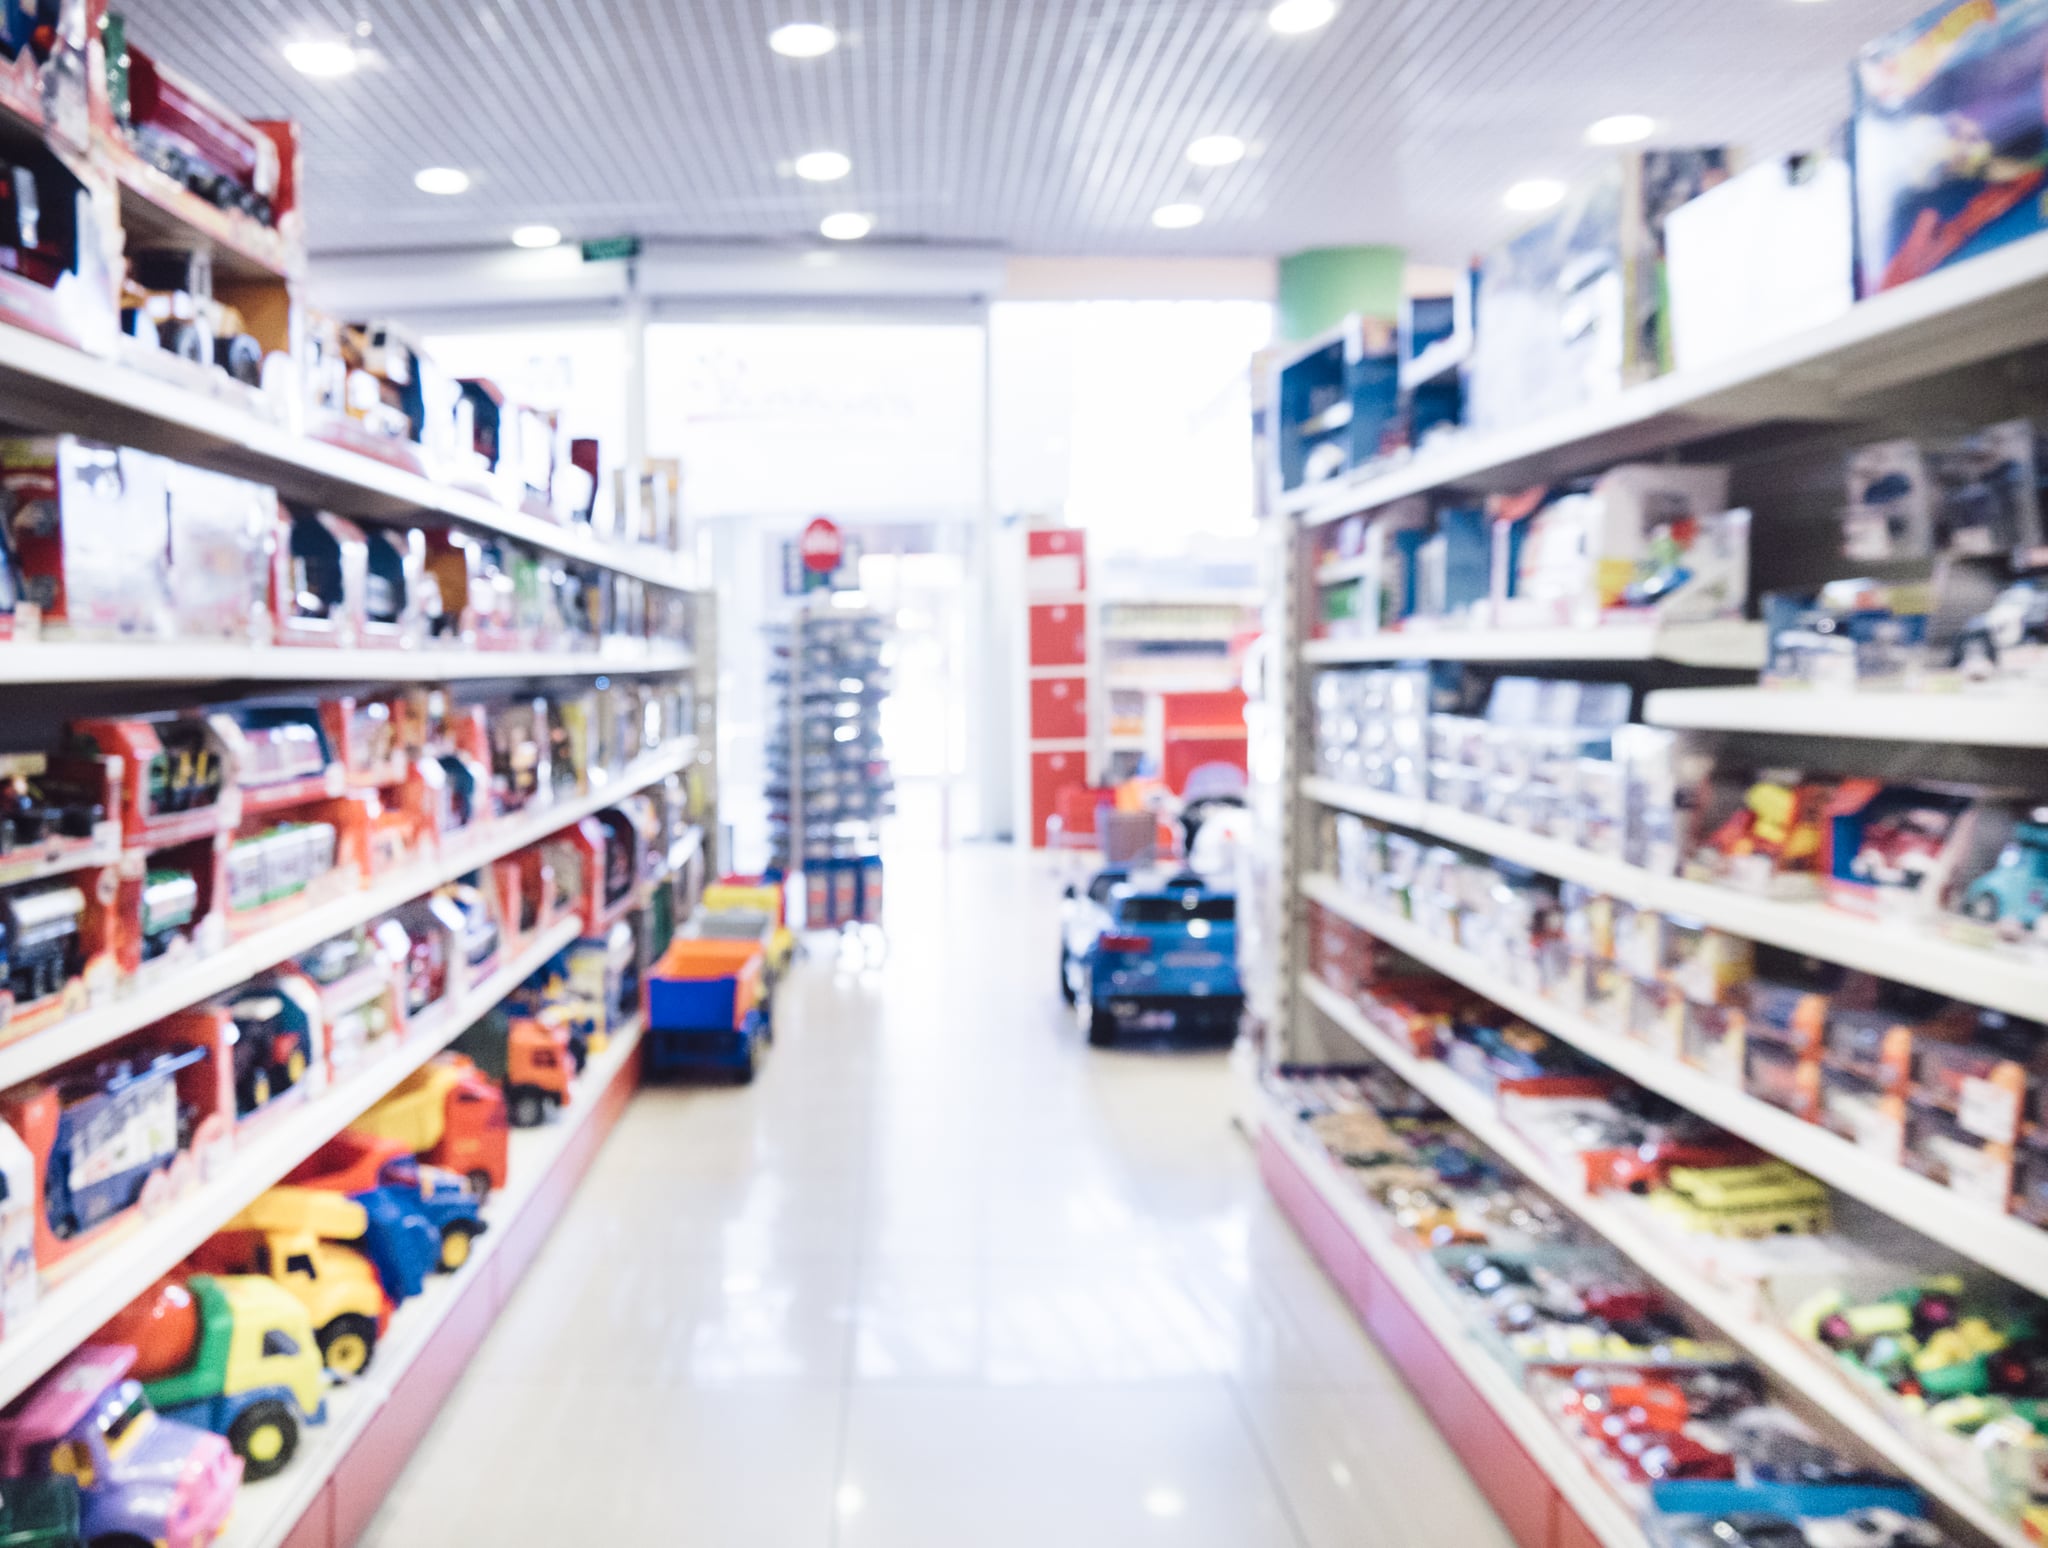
[322,57]
[1165,1503]
[1534,193]
[536,236]
[1216,150]
[822,166]
[1621,129]
[441,180]
[846,226]
[1293,16]
[803,40]
[1177,217]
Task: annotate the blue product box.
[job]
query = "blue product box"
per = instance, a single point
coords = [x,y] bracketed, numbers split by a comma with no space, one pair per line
[1949,139]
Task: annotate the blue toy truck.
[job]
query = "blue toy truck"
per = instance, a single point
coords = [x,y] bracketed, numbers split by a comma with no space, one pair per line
[707,1008]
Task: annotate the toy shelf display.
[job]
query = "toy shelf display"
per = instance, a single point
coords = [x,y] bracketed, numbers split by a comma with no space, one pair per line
[829,786]
[1688,896]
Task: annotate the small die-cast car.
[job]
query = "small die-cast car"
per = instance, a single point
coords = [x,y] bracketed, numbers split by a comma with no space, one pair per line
[1152,953]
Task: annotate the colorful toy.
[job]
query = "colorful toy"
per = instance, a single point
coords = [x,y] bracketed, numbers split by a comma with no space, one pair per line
[417,1219]
[2013,894]
[141,1478]
[273,1051]
[707,1007]
[530,1061]
[40,942]
[295,1236]
[170,904]
[233,1355]
[1164,958]
[450,1116]
[1763,1200]
[30,813]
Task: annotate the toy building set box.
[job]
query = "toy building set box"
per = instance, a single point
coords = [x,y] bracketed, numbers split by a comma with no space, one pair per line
[1950,138]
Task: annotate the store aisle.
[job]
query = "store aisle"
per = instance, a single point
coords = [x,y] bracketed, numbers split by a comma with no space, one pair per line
[943,1277]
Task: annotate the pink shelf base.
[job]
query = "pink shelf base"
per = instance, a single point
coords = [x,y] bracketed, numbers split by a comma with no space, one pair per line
[1521,1494]
[342,1511]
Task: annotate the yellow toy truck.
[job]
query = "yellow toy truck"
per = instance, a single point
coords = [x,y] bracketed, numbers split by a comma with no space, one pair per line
[294,1236]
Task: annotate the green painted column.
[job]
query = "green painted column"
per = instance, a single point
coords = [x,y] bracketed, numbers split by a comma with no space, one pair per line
[1322,286]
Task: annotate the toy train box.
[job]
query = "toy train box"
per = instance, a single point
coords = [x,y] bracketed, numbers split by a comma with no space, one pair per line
[1949,141]
[706,1008]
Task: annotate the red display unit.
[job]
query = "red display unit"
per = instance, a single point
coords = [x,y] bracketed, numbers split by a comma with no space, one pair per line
[1059,708]
[1200,729]
[1055,721]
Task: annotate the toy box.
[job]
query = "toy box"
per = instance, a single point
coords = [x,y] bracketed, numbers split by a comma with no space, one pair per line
[1337,401]
[318,578]
[173,785]
[1767,254]
[222,532]
[55,280]
[278,754]
[59,942]
[397,604]
[49,813]
[1767,835]
[120,1136]
[1894,851]
[357,993]
[422,943]
[366,735]
[169,908]
[1946,138]
[89,528]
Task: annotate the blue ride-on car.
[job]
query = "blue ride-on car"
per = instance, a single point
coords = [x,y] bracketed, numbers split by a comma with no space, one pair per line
[1151,952]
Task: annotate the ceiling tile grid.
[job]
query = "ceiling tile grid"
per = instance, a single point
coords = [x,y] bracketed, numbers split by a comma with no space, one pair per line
[1038,126]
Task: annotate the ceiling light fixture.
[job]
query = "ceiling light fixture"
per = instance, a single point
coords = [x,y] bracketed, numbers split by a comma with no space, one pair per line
[441,180]
[1177,217]
[803,40]
[822,166]
[1216,150]
[1533,194]
[1297,16]
[1621,129]
[323,58]
[846,226]
[536,236]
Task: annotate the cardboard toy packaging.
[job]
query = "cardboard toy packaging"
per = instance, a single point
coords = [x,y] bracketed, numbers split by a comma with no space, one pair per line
[1947,138]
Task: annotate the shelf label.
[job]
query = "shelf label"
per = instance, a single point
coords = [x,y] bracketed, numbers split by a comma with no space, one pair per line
[1989,1110]
[1881,1133]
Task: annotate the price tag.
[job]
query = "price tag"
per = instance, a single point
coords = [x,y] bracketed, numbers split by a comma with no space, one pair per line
[1883,1134]
[1982,1176]
[1989,1111]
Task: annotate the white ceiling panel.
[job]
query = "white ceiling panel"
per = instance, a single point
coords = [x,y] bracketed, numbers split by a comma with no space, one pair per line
[1037,126]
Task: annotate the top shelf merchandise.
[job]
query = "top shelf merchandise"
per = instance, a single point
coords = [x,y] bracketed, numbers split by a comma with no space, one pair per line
[154,295]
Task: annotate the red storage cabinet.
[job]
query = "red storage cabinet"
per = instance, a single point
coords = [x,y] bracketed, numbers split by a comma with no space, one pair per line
[1052,772]
[1059,634]
[1059,709]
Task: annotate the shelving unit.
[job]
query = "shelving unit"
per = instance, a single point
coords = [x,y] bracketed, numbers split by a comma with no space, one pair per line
[1624,1222]
[1809,391]
[344,1467]
[51,387]
[1961,315]
[178,661]
[73,1309]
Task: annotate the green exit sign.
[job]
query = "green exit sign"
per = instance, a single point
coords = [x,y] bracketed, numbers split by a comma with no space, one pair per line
[610,248]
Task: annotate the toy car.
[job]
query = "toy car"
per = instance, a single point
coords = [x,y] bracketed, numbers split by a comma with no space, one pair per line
[1154,955]
[141,1478]
[2013,894]
[2017,617]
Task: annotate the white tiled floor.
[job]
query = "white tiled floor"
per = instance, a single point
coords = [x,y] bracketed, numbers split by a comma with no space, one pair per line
[942,1278]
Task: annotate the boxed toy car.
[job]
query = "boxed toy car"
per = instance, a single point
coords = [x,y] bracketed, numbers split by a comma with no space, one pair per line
[1946,138]
[318,579]
[1894,851]
[1765,834]
[89,528]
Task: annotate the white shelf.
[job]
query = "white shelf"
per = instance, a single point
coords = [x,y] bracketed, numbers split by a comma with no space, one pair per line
[1220,680]
[1973,311]
[1734,644]
[1972,719]
[51,387]
[1545,1444]
[1338,571]
[222,970]
[1998,978]
[2001,1242]
[267,1512]
[198,661]
[73,1309]
[1616,1219]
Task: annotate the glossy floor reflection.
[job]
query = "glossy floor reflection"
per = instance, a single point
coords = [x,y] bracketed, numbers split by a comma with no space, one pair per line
[942,1277]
